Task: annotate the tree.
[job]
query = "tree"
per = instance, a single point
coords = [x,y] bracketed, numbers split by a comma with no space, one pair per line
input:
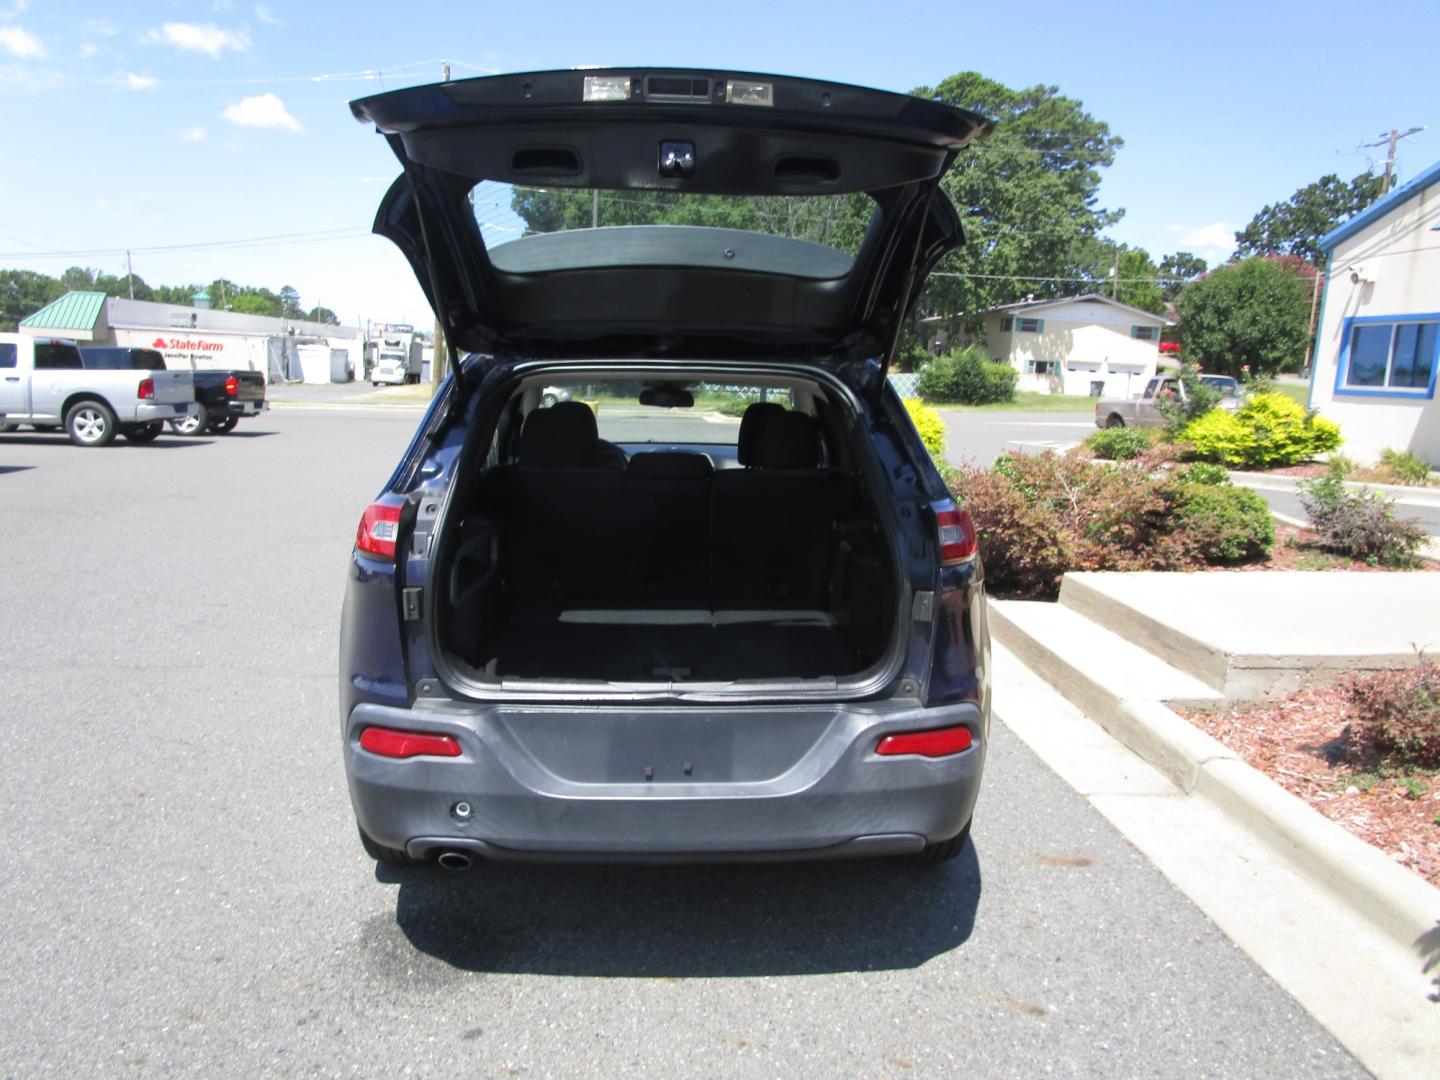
[289,302]
[256,302]
[1295,227]
[1251,314]
[1177,271]
[322,315]
[1028,195]
[22,293]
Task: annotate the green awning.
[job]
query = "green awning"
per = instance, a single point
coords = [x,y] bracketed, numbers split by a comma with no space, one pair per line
[75,312]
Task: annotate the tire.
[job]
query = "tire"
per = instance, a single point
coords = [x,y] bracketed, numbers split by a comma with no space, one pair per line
[193,422]
[6,429]
[380,853]
[143,433]
[1115,421]
[221,426]
[90,423]
[547,400]
[942,850]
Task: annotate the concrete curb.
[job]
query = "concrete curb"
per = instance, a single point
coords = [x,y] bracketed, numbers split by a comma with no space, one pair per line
[1390,898]
[1427,496]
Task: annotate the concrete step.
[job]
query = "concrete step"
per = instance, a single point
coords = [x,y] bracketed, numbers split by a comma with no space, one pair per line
[1117,684]
[1251,635]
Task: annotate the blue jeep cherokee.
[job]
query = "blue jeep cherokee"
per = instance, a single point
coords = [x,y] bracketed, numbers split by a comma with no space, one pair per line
[714,602]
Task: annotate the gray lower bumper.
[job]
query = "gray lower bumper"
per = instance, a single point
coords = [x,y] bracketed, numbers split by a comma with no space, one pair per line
[144,414]
[724,784]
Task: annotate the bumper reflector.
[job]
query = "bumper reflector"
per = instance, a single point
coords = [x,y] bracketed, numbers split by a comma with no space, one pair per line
[387,742]
[937,742]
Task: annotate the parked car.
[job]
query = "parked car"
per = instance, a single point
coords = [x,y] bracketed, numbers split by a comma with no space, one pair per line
[1145,410]
[222,398]
[43,383]
[657,634]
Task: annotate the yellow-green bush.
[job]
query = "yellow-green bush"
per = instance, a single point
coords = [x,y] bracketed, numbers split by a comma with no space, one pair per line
[929,426]
[1269,430]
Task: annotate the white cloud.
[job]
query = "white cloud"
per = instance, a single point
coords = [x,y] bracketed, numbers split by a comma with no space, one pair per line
[32,79]
[16,8]
[1213,242]
[210,40]
[88,49]
[265,15]
[139,82]
[103,204]
[261,111]
[18,41]
[193,134]
[99,27]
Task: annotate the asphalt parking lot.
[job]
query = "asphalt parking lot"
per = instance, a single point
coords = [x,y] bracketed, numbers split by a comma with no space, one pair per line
[184,890]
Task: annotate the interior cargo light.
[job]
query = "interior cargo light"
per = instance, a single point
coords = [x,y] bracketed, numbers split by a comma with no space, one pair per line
[387,742]
[740,92]
[607,88]
[379,528]
[955,533]
[146,390]
[937,742]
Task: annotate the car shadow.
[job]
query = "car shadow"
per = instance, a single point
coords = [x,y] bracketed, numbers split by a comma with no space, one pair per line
[688,921]
[14,468]
[162,441]
[238,434]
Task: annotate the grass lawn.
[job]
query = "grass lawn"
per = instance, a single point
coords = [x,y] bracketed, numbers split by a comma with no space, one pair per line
[1300,393]
[1029,401]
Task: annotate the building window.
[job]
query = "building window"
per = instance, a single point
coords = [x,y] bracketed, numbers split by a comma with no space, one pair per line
[1145,333]
[1389,357]
[1030,326]
[1040,367]
[1007,324]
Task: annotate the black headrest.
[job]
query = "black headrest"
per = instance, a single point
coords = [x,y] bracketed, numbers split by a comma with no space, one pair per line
[671,465]
[750,425]
[789,440]
[562,435]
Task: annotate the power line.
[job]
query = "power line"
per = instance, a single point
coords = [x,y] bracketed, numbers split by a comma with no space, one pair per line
[253,241]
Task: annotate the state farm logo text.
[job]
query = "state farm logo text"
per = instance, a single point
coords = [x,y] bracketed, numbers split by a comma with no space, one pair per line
[186,345]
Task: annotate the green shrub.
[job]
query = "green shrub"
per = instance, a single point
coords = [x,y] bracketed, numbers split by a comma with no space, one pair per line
[1200,397]
[1225,523]
[1397,717]
[967,377]
[1344,465]
[1404,468]
[1360,523]
[1118,444]
[1203,472]
[928,426]
[1269,430]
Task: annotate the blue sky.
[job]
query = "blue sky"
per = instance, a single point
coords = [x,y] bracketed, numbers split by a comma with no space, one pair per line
[164,124]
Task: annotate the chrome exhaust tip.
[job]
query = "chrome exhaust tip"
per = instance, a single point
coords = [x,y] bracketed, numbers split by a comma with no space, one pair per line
[455,861]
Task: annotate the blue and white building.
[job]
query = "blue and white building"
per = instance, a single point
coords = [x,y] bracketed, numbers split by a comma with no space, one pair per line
[1377,348]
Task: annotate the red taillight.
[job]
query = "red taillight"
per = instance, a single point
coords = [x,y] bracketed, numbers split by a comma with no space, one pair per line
[147,389]
[955,533]
[387,742]
[379,528]
[232,386]
[937,742]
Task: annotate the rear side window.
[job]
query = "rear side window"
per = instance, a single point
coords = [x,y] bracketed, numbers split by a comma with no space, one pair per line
[7,354]
[147,360]
[49,356]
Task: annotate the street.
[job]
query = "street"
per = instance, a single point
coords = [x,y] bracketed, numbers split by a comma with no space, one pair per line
[185,891]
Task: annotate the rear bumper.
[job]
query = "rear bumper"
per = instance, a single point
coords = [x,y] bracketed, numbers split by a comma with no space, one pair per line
[725,784]
[144,414]
[244,408]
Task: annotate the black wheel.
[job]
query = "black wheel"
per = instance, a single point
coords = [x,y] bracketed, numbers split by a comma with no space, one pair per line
[193,422]
[5,428]
[380,853]
[942,850]
[143,433]
[224,424]
[1116,420]
[90,423]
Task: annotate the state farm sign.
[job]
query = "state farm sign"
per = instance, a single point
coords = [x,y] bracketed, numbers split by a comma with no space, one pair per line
[189,349]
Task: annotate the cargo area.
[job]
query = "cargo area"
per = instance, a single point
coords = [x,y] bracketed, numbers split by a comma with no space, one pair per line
[762,559]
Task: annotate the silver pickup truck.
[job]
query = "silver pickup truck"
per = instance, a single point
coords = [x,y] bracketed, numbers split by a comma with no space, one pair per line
[1144,411]
[44,384]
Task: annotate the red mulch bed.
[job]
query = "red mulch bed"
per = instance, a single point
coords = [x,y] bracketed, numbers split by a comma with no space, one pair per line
[1311,469]
[1295,549]
[1297,742]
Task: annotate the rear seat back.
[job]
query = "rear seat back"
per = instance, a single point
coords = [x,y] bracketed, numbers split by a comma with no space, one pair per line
[772,537]
[669,497]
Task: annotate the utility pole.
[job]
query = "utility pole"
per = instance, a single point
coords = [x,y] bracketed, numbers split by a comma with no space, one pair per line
[1115,278]
[595,208]
[129,275]
[1390,141]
